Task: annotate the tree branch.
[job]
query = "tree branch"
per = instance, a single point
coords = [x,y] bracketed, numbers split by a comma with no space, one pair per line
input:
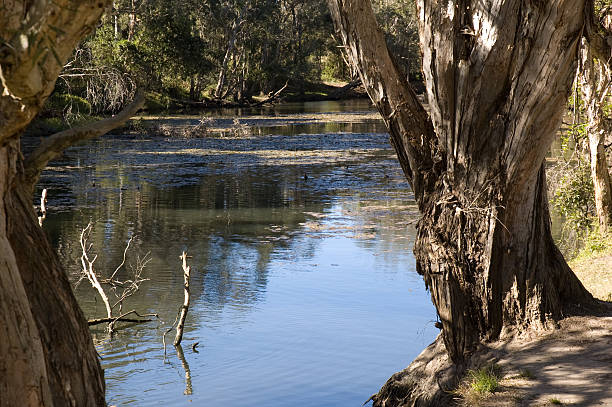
[121,318]
[273,96]
[411,129]
[54,145]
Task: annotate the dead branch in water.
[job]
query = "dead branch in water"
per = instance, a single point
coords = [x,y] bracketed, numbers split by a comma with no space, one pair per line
[185,307]
[121,289]
[121,318]
[272,97]
[182,314]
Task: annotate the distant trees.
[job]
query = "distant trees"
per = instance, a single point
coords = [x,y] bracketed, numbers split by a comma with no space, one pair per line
[218,49]
[397,19]
[583,192]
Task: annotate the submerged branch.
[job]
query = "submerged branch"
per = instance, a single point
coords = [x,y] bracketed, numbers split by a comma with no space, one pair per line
[273,96]
[121,318]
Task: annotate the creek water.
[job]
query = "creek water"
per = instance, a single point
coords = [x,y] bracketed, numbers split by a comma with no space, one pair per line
[300,228]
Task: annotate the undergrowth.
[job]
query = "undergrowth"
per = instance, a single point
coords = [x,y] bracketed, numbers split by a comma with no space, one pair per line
[479,384]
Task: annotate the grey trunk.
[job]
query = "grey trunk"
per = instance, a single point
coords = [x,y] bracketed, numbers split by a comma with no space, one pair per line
[498,74]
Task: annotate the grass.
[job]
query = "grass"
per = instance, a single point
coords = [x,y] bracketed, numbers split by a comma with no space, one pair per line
[593,265]
[485,380]
[555,401]
[479,384]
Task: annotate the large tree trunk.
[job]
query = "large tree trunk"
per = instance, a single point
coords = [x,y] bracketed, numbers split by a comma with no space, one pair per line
[47,356]
[74,375]
[496,94]
[23,372]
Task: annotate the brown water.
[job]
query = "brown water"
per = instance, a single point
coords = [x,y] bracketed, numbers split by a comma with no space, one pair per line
[304,291]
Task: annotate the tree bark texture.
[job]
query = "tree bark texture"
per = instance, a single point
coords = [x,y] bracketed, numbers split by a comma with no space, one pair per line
[595,89]
[47,356]
[23,372]
[497,73]
[74,373]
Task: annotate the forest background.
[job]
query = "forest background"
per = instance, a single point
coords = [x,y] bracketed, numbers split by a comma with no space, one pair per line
[194,54]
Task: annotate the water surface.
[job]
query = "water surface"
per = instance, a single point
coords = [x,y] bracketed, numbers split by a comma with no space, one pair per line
[304,290]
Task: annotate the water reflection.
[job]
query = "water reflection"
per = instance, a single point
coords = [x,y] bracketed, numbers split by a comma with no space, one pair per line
[303,287]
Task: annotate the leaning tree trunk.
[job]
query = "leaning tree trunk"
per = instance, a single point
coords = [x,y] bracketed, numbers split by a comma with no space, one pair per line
[496,95]
[47,356]
[73,371]
[23,372]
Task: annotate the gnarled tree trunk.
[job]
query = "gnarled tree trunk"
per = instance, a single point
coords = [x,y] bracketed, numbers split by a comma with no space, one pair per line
[498,74]
[47,356]
[23,372]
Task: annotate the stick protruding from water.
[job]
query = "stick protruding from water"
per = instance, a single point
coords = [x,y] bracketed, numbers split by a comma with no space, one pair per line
[185,307]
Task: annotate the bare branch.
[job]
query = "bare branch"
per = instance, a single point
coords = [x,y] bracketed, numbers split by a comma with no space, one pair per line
[54,145]
[88,269]
[185,307]
[411,130]
[127,247]
[121,318]
[120,289]
[273,97]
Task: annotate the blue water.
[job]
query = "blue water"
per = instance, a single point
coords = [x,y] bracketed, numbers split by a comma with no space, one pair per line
[304,290]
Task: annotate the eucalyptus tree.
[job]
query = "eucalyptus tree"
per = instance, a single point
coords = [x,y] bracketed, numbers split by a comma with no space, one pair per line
[596,88]
[498,74]
[46,354]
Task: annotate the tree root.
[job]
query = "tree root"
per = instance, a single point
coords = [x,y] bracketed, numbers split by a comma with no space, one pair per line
[428,381]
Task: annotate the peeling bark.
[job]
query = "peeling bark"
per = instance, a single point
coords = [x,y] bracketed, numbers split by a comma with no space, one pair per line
[23,373]
[595,88]
[497,74]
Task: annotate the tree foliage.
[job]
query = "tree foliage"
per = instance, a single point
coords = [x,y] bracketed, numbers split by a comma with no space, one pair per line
[218,49]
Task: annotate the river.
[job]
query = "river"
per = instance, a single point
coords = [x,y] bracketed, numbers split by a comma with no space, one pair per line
[300,226]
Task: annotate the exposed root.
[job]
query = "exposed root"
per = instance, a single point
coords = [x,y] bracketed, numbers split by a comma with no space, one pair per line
[428,381]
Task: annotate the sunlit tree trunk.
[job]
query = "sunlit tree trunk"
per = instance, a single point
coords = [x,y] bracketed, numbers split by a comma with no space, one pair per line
[229,54]
[496,94]
[595,87]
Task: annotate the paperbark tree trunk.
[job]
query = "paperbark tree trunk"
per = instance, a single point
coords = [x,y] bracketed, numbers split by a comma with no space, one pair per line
[23,372]
[595,89]
[498,74]
[47,356]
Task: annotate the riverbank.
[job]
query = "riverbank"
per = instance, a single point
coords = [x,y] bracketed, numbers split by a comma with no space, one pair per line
[64,111]
[569,366]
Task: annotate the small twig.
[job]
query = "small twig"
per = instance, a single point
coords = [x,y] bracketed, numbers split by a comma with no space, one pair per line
[168,331]
[127,246]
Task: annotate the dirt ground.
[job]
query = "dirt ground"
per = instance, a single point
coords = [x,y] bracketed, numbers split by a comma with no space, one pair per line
[570,366]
